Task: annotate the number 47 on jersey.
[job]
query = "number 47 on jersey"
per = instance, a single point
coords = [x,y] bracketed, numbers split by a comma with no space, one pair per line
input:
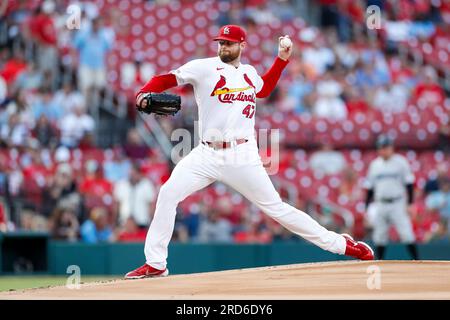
[249,111]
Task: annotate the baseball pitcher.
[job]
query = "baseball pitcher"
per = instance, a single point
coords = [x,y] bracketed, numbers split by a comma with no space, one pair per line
[225,91]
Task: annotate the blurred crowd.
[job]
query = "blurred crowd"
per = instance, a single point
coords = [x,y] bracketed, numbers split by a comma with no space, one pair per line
[49,78]
[49,75]
[54,178]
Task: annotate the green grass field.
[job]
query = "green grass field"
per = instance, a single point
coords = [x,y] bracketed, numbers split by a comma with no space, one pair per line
[27,282]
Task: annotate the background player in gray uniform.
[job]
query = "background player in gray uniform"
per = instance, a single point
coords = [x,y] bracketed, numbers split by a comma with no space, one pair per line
[390,184]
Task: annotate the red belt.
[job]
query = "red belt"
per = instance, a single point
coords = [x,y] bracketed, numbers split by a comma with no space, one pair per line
[224,144]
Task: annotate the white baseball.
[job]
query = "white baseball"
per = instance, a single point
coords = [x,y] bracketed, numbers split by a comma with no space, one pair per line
[285,42]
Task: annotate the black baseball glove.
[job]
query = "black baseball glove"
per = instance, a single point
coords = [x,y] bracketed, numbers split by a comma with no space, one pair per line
[160,103]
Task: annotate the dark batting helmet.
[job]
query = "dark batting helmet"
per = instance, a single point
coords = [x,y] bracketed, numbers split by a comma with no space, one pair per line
[384,140]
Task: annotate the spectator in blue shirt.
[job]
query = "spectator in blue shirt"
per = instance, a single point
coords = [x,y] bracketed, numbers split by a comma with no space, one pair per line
[368,77]
[118,167]
[299,90]
[44,105]
[440,199]
[92,45]
[96,229]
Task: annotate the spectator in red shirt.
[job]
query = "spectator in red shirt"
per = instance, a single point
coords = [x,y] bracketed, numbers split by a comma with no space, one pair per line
[402,71]
[429,92]
[36,170]
[7,7]
[134,147]
[95,189]
[253,232]
[356,10]
[425,224]
[3,226]
[41,25]
[13,67]
[444,10]
[402,10]
[131,232]
[94,184]
[42,28]
[355,102]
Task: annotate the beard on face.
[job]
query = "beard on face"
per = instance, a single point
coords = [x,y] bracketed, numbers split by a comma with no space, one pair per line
[228,56]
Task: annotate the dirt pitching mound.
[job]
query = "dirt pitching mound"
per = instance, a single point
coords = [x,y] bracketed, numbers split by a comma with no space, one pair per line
[331,280]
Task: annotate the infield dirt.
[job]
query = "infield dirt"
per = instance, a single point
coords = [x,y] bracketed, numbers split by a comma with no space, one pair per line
[330,280]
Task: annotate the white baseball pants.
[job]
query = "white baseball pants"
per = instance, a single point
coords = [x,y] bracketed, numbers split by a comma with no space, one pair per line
[395,213]
[241,168]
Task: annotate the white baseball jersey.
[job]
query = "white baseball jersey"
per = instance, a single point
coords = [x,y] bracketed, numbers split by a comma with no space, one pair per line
[388,177]
[226,99]
[225,96]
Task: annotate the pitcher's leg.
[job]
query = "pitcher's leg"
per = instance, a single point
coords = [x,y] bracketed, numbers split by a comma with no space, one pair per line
[253,182]
[187,177]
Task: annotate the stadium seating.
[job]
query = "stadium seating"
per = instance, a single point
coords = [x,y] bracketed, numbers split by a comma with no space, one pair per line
[159,38]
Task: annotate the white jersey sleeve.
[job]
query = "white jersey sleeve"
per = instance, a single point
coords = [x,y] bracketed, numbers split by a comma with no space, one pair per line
[259,81]
[190,72]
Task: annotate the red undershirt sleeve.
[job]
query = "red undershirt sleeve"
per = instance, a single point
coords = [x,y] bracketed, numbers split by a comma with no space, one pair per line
[159,84]
[271,77]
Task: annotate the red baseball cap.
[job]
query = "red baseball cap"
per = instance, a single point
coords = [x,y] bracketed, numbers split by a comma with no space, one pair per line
[231,32]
